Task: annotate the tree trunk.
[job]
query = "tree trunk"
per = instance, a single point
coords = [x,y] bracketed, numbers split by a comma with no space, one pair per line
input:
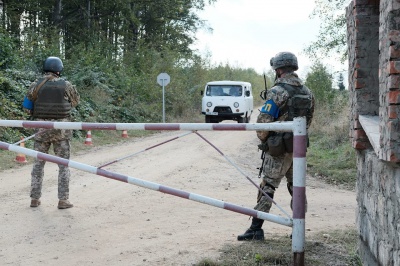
[57,12]
[88,14]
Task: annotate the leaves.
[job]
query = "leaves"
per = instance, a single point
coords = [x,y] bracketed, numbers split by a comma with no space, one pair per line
[319,80]
[332,36]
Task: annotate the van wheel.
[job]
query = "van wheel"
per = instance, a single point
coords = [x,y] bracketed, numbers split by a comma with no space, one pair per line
[208,119]
[240,119]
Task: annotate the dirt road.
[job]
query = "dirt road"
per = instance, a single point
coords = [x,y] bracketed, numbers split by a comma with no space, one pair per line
[115,223]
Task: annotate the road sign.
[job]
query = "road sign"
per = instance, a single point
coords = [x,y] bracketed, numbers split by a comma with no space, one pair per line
[163,79]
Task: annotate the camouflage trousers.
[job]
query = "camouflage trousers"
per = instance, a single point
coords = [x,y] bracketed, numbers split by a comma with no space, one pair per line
[61,149]
[274,169]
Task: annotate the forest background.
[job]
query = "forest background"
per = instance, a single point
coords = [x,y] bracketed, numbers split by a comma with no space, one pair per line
[113,51]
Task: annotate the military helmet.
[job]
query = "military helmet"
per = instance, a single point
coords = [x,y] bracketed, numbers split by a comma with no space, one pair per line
[284,59]
[53,64]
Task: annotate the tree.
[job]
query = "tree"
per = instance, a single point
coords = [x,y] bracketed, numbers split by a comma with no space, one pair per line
[124,25]
[319,80]
[332,37]
[340,82]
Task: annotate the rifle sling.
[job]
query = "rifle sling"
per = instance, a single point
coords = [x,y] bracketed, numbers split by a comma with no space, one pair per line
[36,90]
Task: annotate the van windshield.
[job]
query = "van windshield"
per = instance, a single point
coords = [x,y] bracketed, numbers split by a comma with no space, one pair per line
[224,90]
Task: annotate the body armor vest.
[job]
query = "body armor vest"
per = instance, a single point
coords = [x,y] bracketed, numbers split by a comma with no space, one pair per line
[50,102]
[299,102]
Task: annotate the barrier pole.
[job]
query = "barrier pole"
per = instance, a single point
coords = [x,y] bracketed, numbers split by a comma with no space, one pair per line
[240,170]
[148,184]
[276,126]
[149,148]
[299,189]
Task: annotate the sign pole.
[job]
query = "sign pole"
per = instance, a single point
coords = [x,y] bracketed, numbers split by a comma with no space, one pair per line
[163,80]
[163,101]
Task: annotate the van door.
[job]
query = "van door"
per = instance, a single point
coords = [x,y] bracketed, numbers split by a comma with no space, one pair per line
[249,100]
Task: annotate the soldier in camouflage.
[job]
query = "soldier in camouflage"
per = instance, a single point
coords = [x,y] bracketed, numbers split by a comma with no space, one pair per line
[288,98]
[52,99]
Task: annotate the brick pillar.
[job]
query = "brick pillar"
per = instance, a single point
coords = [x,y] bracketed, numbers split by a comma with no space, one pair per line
[389,80]
[363,50]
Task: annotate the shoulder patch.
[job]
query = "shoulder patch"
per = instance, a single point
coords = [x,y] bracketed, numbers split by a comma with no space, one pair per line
[270,108]
[28,104]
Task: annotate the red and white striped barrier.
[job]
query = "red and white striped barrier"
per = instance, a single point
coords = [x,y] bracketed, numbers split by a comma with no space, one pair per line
[147,184]
[299,189]
[277,126]
[298,126]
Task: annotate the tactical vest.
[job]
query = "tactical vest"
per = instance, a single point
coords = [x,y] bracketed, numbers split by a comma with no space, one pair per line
[50,102]
[299,102]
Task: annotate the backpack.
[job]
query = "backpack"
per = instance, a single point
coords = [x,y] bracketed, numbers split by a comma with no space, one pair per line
[299,102]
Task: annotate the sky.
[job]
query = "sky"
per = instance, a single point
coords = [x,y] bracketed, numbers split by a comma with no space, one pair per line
[248,33]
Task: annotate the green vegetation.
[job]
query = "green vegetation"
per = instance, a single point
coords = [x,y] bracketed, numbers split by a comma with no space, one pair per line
[324,248]
[332,37]
[330,155]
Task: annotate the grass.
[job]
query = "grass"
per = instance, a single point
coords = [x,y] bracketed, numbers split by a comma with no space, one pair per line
[330,155]
[331,248]
[335,164]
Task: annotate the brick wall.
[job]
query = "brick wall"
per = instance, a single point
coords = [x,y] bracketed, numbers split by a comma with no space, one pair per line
[378,211]
[389,64]
[373,29]
[363,42]
[374,72]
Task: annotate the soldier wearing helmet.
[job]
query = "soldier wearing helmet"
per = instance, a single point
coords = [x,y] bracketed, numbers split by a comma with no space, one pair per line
[288,98]
[51,98]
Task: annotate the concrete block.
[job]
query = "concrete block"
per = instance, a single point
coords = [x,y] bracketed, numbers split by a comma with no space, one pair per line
[396,254]
[385,253]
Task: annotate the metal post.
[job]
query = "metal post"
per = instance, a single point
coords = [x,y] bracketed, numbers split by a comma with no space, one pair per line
[163,102]
[299,190]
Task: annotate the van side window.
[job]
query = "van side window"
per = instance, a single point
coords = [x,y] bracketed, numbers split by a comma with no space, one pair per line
[208,91]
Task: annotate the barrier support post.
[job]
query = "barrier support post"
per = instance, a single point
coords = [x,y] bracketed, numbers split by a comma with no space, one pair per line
[299,189]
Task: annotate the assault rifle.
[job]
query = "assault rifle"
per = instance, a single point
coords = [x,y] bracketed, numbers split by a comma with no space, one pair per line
[263,94]
[263,147]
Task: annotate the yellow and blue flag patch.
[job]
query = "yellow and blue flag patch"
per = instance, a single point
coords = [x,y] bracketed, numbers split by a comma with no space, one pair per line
[270,108]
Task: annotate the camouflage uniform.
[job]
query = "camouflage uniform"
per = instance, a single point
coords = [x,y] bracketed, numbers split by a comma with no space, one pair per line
[276,167]
[60,138]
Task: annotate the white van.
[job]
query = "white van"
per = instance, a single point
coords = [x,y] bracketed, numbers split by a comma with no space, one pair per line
[227,100]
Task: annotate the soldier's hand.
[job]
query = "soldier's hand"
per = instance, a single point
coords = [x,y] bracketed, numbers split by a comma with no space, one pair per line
[263,146]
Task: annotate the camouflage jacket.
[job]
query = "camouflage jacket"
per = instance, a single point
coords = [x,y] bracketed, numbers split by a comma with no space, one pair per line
[280,97]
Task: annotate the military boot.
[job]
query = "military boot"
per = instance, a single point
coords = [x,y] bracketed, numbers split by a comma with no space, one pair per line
[35,202]
[254,232]
[64,204]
